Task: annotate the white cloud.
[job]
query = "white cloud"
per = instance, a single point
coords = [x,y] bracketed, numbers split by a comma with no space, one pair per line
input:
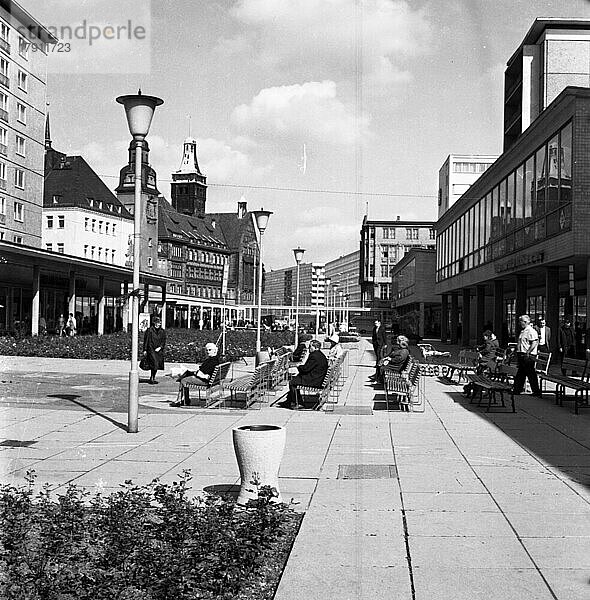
[300,112]
[346,39]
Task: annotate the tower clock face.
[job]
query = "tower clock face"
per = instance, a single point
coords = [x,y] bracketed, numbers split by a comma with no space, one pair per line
[151,210]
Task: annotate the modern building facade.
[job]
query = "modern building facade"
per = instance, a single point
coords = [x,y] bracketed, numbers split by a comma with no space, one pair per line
[416,306]
[22,123]
[383,244]
[343,272]
[518,241]
[280,286]
[457,174]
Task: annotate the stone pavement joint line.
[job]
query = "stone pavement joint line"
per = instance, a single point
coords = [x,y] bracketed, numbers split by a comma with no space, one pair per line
[473,505]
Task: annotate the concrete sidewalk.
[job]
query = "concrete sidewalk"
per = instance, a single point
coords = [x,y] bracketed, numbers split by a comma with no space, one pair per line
[452,503]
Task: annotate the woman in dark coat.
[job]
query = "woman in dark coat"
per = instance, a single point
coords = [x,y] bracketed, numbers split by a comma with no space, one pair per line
[154,342]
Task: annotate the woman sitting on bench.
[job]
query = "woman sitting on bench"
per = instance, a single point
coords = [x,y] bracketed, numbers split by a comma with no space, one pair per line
[201,377]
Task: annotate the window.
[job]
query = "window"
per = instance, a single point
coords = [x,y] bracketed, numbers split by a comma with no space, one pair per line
[100,227]
[112,256]
[3,140]
[61,221]
[106,227]
[150,243]
[22,80]
[412,233]
[23,47]
[49,222]
[18,239]
[85,250]
[2,205]
[3,174]
[100,254]
[55,198]
[4,71]
[1,235]
[92,252]
[20,145]
[49,247]
[150,261]
[384,271]
[21,113]
[19,211]
[4,31]
[19,178]
[60,248]
[113,229]
[432,234]
[86,220]
[93,224]
[3,106]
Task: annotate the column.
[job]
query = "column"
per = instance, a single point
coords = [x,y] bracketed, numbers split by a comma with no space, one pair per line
[466,328]
[163,313]
[499,316]
[125,307]
[552,303]
[480,309]
[36,298]
[101,303]
[454,317]
[421,322]
[521,296]
[72,295]
[444,319]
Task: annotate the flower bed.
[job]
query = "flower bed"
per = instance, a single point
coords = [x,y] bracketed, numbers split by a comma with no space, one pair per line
[150,542]
[182,345]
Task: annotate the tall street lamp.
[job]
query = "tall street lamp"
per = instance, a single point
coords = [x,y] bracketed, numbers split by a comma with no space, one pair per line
[327,281]
[334,290]
[139,110]
[341,294]
[298,254]
[318,271]
[261,216]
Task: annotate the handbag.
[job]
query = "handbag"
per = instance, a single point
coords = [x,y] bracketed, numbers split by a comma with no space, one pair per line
[144,364]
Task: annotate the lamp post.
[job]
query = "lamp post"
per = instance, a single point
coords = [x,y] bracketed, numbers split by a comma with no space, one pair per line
[318,270]
[261,216]
[334,290]
[341,302]
[139,110]
[298,254]
[328,281]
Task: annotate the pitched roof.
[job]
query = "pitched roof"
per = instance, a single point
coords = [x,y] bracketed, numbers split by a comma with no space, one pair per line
[188,228]
[232,226]
[72,182]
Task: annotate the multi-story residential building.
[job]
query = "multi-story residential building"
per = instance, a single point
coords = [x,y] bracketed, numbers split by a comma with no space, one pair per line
[343,272]
[22,119]
[81,216]
[383,244]
[280,286]
[518,241]
[457,174]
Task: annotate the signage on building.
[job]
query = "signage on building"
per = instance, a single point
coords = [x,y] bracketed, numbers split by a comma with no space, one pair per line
[144,321]
[521,260]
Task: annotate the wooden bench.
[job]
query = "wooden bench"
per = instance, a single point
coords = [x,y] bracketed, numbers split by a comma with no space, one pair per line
[580,383]
[216,381]
[250,386]
[467,361]
[321,393]
[481,383]
[404,384]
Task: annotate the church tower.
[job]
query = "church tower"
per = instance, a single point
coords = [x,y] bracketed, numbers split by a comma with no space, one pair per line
[189,185]
[149,206]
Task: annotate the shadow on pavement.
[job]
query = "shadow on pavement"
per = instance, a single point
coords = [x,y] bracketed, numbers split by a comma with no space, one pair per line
[72,398]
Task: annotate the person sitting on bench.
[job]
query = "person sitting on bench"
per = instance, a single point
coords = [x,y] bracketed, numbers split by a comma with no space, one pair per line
[311,374]
[200,377]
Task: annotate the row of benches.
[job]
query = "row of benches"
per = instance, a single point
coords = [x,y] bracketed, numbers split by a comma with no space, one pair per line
[404,386]
[266,378]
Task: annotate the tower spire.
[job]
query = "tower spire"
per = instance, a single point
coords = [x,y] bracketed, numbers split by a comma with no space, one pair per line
[47,130]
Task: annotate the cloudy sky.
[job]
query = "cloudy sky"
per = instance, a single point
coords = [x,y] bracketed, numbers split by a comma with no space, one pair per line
[318,110]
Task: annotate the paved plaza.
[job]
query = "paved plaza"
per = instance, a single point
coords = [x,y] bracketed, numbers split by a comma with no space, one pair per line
[452,503]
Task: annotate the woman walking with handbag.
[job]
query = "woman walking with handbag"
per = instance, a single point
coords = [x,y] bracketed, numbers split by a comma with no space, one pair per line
[154,342]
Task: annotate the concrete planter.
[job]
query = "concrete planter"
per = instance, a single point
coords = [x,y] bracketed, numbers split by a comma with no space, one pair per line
[259,450]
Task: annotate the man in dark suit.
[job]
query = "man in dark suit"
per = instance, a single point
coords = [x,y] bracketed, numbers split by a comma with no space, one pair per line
[544,332]
[311,373]
[379,340]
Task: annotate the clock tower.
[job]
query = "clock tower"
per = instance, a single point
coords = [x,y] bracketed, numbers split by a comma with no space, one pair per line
[189,186]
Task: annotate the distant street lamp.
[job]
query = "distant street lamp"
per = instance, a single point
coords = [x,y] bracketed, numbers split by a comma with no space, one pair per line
[341,303]
[327,281]
[318,271]
[334,290]
[139,110]
[261,216]
[298,254]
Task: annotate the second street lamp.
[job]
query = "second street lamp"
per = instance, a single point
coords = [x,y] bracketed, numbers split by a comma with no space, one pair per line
[327,282]
[139,110]
[261,217]
[298,254]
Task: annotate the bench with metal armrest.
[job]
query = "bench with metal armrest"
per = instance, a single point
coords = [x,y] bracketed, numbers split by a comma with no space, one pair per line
[491,384]
[215,382]
[251,387]
[321,394]
[467,362]
[402,384]
[578,380]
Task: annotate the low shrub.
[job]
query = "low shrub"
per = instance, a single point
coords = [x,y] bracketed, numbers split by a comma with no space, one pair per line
[149,542]
[182,345]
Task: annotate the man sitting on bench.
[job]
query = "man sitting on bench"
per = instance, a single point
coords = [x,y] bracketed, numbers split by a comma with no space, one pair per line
[200,377]
[311,374]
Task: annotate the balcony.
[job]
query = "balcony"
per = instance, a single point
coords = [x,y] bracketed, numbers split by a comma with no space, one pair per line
[4,46]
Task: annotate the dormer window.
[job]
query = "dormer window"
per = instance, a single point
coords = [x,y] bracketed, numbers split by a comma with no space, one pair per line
[100,204]
[119,209]
[55,199]
[91,202]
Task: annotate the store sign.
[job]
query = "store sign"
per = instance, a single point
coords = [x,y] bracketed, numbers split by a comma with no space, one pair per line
[521,260]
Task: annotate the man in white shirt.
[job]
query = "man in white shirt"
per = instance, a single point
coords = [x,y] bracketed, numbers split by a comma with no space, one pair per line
[526,355]
[544,335]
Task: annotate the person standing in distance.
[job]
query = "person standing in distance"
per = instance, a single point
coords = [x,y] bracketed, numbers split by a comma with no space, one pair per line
[526,355]
[154,342]
[544,332]
[379,340]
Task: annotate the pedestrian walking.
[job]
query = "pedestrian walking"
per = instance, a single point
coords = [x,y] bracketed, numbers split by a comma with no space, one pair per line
[544,332]
[526,356]
[379,340]
[567,341]
[61,325]
[71,325]
[154,342]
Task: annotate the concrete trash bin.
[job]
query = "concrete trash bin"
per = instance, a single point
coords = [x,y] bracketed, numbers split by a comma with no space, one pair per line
[259,451]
